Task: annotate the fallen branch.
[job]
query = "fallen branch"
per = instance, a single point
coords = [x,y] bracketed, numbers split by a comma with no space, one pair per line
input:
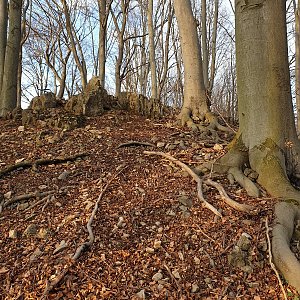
[135,143]
[194,176]
[227,199]
[40,162]
[19,198]
[173,277]
[37,203]
[50,285]
[270,259]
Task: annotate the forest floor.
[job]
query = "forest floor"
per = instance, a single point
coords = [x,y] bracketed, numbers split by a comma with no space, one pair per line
[153,237]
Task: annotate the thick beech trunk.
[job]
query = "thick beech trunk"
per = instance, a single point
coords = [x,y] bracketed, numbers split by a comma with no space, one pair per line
[267,139]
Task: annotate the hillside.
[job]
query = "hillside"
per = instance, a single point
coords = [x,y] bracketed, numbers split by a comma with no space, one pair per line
[153,239]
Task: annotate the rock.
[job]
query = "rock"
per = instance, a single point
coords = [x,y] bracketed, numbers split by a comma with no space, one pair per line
[196,260]
[90,101]
[176,274]
[23,206]
[157,276]
[150,250]
[8,195]
[21,128]
[195,288]
[171,147]
[141,294]
[160,144]
[44,233]
[44,101]
[218,147]
[157,244]
[35,255]
[185,200]
[183,208]
[31,229]
[207,156]
[244,242]
[160,229]
[64,175]
[13,234]
[60,247]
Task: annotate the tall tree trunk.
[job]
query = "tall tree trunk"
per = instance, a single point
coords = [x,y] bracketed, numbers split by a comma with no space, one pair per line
[297,67]
[3,38]
[204,43]
[152,50]
[75,46]
[195,103]
[10,75]
[267,139]
[104,8]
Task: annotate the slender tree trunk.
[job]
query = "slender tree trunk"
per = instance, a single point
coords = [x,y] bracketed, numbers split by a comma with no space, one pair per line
[104,8]
[152,50]
[213,49]
[80,61]
[204,43]
[10,75]
[195,104]
[3,38]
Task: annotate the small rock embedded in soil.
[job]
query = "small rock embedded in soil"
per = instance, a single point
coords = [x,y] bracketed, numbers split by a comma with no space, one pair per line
[35,255]
[13,234]
[141,294]
[31,230]
[157,276]
[60,247]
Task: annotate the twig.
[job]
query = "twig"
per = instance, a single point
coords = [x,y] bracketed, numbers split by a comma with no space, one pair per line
[200,230]
[194,176]
[40,162]
[271,262]
[227,199]
[50,285]
[173,277]
[36,194]
[37,203]
[135,143]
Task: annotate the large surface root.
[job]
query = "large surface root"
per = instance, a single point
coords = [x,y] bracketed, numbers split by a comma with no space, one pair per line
[283,229]
[269,162]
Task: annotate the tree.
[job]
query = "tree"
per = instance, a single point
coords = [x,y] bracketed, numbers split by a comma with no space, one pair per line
[267,140]
[104,8]
[3,38]
[10,74]
[152,50]
[195,103]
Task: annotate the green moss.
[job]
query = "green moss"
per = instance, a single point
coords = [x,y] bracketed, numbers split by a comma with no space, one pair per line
[292,201]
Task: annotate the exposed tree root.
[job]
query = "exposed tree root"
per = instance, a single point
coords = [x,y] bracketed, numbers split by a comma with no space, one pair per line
[227,199]
[19,198]
[51,284]
[270,259]
[250,187]
[40,162]
[135,143]
[269,162]
[224,196]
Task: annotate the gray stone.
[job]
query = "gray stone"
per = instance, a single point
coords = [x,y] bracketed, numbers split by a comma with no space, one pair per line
[63,245]
[141,294]
[31,229]
[157,276]
[23,206]
[64,175]
[35,255]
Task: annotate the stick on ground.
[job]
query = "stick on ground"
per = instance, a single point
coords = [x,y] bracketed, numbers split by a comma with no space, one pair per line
[194,176]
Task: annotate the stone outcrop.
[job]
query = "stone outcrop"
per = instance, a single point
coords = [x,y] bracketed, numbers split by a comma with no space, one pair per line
[140,104]
[91,102]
